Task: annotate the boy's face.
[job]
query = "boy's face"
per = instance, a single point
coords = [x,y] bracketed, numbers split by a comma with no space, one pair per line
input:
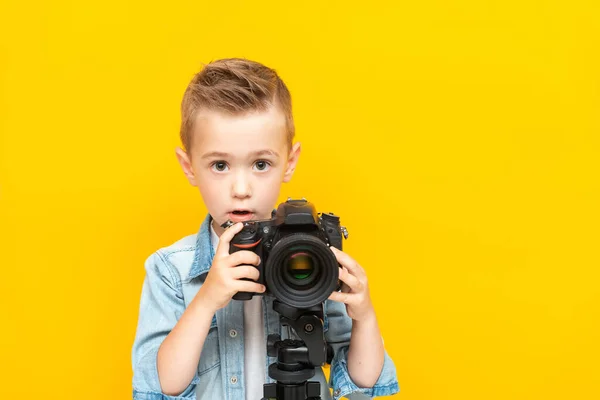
[239,163]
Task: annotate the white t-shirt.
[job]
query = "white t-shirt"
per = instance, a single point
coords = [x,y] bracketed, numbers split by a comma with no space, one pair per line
[255,344]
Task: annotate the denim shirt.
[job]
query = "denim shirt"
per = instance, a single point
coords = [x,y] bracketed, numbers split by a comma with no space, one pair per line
[174,275]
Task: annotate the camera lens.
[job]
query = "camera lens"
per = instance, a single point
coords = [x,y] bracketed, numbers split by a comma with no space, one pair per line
[301,270]
[300,265]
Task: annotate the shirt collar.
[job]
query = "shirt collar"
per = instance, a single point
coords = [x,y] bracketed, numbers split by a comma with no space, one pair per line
[204,250]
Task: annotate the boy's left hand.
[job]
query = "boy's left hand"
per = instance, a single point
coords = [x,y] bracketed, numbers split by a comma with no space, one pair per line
[355,290]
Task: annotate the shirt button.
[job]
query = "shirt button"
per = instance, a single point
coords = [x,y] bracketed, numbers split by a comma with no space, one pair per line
[336,393]
[233,333]
[233,380]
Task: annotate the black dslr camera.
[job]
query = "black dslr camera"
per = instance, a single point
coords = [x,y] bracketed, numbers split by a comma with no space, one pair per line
[297,266]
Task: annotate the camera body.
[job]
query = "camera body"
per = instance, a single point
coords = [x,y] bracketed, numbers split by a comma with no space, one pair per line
[297,266]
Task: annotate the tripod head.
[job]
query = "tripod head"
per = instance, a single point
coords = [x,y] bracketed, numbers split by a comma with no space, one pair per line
[297,359]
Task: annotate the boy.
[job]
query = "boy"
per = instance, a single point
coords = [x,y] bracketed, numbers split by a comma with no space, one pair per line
[192,341]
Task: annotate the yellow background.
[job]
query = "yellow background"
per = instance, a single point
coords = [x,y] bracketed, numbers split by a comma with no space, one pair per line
[457,139]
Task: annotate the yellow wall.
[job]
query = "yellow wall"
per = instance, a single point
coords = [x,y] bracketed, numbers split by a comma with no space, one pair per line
[457,139]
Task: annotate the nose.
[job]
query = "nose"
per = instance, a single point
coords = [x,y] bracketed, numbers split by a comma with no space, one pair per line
[241,187]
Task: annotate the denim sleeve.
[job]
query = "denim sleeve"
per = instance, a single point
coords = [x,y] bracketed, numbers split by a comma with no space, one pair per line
[161,306]
[339,326]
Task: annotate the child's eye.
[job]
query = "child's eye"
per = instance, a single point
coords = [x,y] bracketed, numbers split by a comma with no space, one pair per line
[262,165]
[219,166]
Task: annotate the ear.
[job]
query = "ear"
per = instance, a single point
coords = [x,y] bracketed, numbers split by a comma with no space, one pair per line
[291,163]
[186,165]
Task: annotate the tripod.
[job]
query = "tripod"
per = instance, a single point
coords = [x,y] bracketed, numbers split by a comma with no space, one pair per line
[297,359]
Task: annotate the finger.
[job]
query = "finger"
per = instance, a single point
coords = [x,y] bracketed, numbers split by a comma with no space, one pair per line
[242,257]
[225,238]
[248,286]
[349,263]
[245,271]
[346,298]
[353,282]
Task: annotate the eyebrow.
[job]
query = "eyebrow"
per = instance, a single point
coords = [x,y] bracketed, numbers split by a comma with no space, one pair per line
[257,153]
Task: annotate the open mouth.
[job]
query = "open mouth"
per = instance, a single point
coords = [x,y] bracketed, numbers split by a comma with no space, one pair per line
[241,215]
[240,212]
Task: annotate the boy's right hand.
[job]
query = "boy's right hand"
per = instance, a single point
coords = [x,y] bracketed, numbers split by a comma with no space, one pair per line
[224,279]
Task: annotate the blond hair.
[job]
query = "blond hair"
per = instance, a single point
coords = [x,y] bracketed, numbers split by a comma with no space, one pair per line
[234,86]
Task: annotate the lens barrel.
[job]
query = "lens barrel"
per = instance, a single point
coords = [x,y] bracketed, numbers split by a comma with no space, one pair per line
[301,270]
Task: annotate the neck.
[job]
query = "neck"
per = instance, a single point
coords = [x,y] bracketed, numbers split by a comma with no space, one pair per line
[218,230]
